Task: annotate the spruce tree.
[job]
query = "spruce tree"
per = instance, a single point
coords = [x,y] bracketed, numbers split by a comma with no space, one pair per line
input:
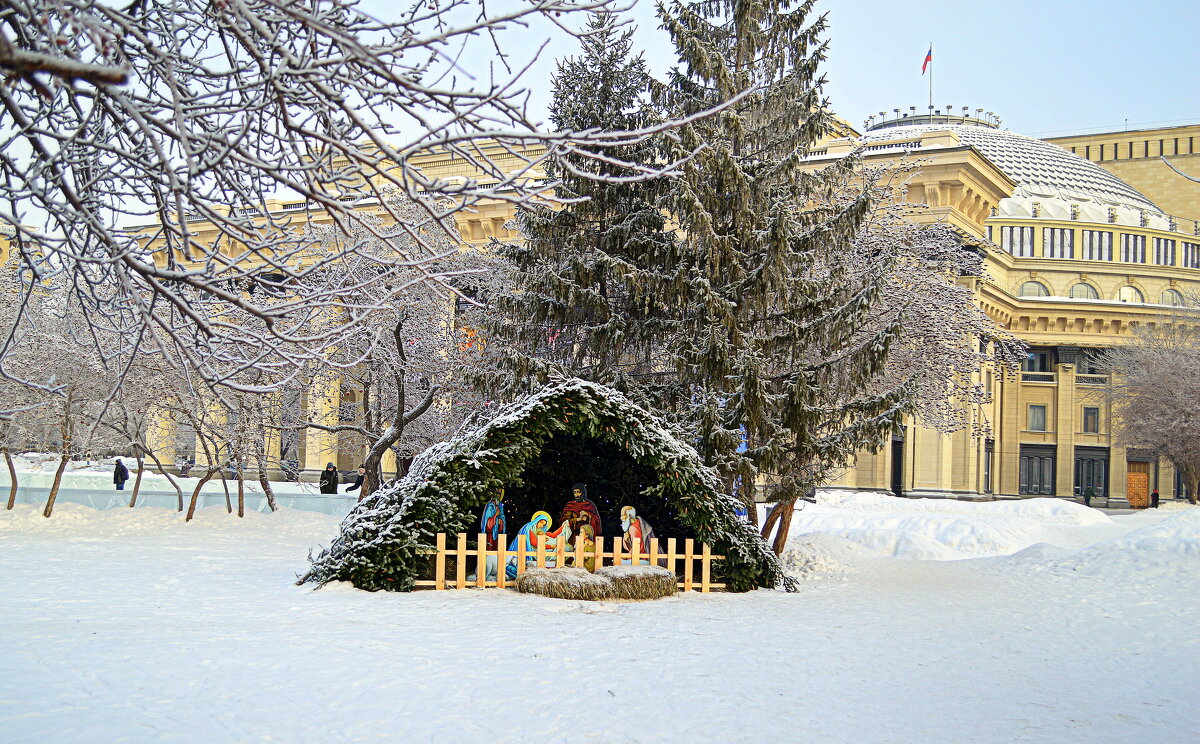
[586,300]
[777,345]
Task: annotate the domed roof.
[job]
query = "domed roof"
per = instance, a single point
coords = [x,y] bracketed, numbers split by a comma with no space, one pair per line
[1041,170]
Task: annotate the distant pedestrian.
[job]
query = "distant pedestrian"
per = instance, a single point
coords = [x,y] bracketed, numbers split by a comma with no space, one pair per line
[329,479]
[1088,494]
[120,474]
[358,479]
[1154,499]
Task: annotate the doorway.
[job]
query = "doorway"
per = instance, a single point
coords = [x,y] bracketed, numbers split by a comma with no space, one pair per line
[1137,484]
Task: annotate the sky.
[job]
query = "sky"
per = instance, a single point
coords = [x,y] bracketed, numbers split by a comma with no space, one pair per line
[1046,68]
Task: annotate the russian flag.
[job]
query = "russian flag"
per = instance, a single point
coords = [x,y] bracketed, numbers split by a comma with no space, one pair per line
[928,59]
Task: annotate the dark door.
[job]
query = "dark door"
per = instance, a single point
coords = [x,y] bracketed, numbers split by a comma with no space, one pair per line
[898,464]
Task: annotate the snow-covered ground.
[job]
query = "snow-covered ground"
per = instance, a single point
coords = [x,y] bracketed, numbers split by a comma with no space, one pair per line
[929,621]
[91,483]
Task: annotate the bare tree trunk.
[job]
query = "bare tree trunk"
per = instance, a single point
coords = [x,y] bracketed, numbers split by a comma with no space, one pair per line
[224,485]
[1193,490]
[770,521]
[241,477]
[137,482]
[196,494]
[12,479]
[785,525]
[266,486]
[170,479]
[62,465]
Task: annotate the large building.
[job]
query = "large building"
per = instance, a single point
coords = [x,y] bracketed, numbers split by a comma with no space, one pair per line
[1077,257]
[1084,237]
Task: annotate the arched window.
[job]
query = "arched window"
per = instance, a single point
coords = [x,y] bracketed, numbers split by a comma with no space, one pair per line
[1033,289]
[1130,294]
[1172,297]
[1084,291]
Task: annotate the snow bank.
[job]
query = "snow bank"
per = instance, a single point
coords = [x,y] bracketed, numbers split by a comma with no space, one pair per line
[77,520]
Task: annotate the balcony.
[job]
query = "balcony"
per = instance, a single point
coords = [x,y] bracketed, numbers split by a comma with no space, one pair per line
[1091,379]
[1039,376]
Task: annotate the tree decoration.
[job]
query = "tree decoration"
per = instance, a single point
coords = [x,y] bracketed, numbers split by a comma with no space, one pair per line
[382,541]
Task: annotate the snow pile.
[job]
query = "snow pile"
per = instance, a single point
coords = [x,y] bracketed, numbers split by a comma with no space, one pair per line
[819,554]
[943,529]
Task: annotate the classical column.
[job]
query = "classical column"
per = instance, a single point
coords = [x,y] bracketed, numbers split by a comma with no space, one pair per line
[160,436]
[1064,431]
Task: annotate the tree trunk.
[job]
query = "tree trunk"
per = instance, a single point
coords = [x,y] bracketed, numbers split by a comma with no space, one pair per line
[241,489]
[163,471]
[137,482]
[225,485]
[1193,490]
[769,522]
[785,525]
[12,479]
[62,465]
[196,494]
[266,486]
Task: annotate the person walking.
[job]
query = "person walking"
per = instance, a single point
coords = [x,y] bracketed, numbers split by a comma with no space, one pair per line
[1154,499]
[358,479]
[329,479]
[120,475]
[1088,494]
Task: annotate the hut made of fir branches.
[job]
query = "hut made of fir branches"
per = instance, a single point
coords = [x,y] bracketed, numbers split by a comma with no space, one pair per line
[537,449]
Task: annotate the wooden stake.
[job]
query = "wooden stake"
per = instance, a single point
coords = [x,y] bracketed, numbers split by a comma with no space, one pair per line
[502,561]
[481,561]
[461,567]
[705,565]
[689,554]
[439,571]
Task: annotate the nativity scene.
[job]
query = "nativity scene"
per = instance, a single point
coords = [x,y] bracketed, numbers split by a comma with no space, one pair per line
[572,466]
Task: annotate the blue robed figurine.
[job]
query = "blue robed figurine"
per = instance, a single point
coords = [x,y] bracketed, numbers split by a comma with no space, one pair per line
[534,529]
[492,525]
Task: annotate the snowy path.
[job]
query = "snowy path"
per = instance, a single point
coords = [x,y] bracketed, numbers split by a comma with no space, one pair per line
[136,628]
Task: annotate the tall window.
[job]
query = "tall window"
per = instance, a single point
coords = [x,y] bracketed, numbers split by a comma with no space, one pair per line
[1058,242]
[1017,240]
[1037,418]
[1191,255]
[1083,291]
[1091,420]
[1133,248]
[1097,245]
[1130,294]
[1164,251]
[1171,297]
[1037,470]
[1033,289]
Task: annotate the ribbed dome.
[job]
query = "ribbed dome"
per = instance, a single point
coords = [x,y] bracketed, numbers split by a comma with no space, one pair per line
[1041,170]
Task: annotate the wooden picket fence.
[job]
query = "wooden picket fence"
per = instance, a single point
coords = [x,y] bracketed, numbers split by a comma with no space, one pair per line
[694,578]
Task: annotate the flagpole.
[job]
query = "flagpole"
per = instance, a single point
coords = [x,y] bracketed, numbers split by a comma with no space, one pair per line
[931,77]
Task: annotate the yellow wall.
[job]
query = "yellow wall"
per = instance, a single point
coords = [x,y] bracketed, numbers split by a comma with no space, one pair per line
[1136,158]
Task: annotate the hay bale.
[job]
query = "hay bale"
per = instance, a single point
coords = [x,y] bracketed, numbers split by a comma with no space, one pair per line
[565,583]
[640,582]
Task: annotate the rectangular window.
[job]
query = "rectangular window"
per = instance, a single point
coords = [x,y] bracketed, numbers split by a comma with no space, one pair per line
[1037,418]
[1018,241]
[1058,242]
[1191,255]
[1164,251]
[1091,420]
[1097,245]
[1133,248]
[1037,361]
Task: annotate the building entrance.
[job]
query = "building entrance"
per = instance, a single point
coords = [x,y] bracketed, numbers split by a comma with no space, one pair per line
[1137,484]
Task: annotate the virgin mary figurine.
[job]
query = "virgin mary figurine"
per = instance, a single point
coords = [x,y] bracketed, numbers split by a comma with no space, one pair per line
[532,529]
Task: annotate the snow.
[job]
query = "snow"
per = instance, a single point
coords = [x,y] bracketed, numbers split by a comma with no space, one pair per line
[1035,621]
[91,483]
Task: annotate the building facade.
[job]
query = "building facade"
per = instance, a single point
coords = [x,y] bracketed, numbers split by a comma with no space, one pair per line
[1076,258]
[1084,237]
